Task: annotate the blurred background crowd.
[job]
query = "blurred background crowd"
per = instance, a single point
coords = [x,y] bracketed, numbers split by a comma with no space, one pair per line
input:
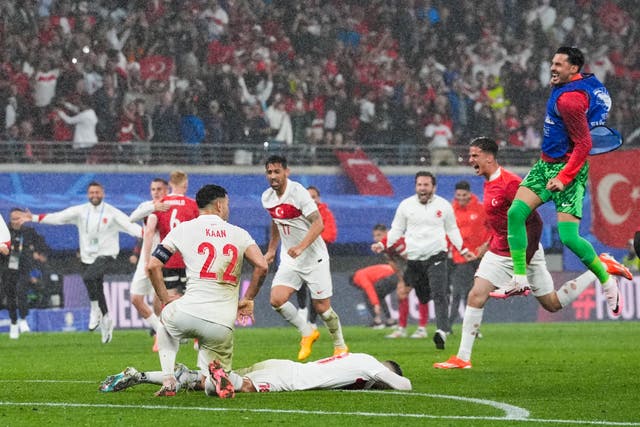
[206,81]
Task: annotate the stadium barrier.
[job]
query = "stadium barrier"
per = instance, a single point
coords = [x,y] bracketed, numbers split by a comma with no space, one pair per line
[239,154]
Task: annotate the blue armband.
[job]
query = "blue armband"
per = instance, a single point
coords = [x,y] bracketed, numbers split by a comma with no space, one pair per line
[162,253]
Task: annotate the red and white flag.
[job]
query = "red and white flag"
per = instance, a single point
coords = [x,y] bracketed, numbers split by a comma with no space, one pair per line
[156,67]
[614,183]
[367,177]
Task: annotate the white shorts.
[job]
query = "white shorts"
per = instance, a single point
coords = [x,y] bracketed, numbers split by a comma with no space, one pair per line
[140,284]
[317,278]
[498,270]
[215,340]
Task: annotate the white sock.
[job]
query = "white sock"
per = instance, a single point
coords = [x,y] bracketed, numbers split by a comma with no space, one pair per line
[153,321]
[332,321]
[470,325]
[569,291]
[290,313]
[167,350]
[152,377]
[95,306]
[612,281]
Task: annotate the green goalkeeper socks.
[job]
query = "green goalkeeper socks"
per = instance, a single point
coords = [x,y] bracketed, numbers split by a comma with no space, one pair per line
[517,235]
[569,236]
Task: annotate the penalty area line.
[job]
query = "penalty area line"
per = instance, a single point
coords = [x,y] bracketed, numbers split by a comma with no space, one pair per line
[305,412]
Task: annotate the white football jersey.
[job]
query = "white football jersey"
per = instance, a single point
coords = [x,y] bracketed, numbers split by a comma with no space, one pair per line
[289,212]
[213,252]
[351,369]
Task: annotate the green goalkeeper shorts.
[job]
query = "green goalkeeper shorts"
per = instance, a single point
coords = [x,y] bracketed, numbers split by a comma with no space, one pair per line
[570,199]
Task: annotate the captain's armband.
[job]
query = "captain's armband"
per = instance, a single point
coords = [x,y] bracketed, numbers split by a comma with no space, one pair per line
[162,253]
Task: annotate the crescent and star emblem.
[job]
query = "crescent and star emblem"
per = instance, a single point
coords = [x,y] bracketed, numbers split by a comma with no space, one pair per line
[604,198]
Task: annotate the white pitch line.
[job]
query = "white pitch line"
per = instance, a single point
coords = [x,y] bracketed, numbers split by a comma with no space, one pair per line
[304,412]
[511,412]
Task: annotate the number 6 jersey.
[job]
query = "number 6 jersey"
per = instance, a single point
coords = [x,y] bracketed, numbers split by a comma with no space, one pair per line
[213,252]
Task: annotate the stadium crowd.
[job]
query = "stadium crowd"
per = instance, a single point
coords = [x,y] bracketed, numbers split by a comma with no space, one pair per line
[120,81]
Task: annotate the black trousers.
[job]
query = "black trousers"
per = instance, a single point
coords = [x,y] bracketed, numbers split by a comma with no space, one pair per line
[93,277]
[14,286]
[460,282]
[430,280]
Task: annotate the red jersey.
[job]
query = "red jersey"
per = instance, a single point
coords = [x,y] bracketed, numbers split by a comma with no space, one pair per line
[330,232]
[498,196]
[471,220]
[182,209]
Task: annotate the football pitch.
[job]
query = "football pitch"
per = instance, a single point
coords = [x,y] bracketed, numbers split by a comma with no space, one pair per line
[530,374]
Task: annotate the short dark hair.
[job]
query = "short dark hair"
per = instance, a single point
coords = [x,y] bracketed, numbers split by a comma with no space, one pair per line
[574,55]
[208,194]
[463,185]
[486,144]
[16,210]
[161,180]
[379,227]
[396,367]
[274,159]
[314,188]
[94,184]
[426,173]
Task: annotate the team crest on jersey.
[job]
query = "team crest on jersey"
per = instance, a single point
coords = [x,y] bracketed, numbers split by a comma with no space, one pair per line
[603,98]
[439,214]
[284,211]
[105,220]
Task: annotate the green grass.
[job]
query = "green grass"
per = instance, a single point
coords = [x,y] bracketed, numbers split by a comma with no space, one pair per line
[561,373]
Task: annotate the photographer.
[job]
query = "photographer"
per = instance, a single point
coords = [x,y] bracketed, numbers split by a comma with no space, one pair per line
[27,250]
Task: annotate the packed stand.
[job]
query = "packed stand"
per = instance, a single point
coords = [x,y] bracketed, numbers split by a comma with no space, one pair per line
[228,81]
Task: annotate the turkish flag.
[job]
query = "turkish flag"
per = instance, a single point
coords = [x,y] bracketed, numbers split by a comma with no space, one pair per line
[367,177]
[156,67]
[615,196]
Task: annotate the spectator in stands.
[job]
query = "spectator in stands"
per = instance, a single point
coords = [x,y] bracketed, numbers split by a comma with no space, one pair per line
[217,136]
[12,150]
[165,121]
[367,117]
[143,132]
[84,133]
[44,83]
[193,133]
[328,50]
[280,123]
[439,136]
[404,122]
[126,133]
[107,103]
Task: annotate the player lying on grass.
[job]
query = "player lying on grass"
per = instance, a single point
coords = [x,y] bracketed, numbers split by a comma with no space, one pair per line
[357,371]
[496,266]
